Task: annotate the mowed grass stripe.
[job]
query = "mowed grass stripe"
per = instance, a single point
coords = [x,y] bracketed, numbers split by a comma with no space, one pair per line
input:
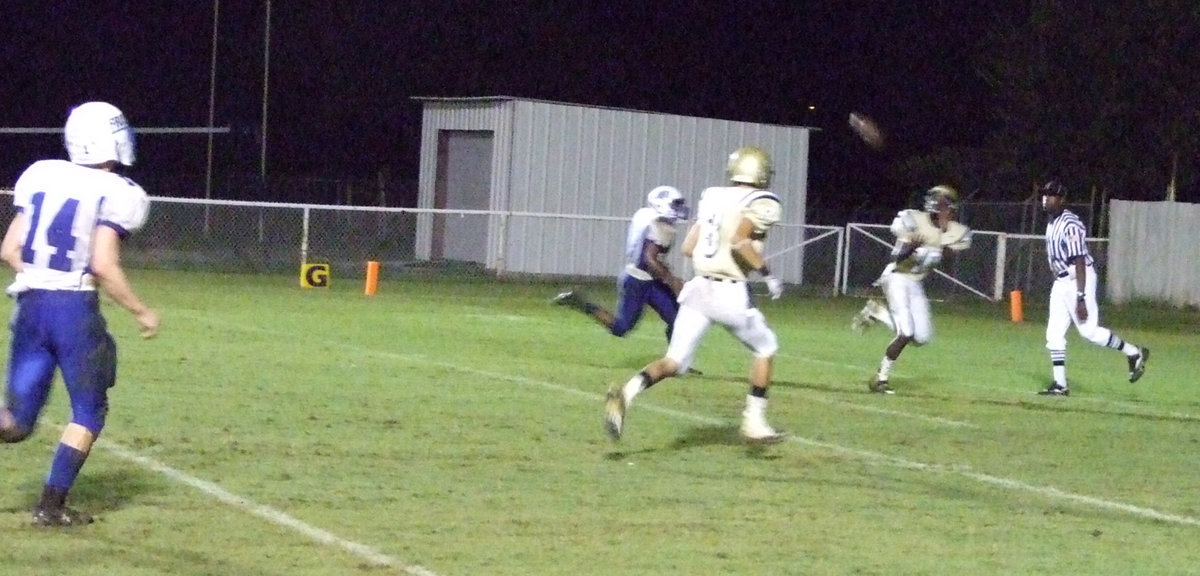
[859,370]
[268,513]
[873,457]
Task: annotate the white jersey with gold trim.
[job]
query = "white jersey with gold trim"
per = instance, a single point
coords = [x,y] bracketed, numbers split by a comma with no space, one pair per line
[917,227]
[719,213]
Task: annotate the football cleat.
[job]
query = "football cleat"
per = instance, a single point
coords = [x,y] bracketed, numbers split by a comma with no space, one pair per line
[761,433]
[614,413]
[1137,364]
[1055,390]
[46,517]
[570,299]
[880,387]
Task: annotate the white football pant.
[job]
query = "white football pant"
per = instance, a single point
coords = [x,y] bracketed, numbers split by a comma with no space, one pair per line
[1063,300]
[909,307]
[702,302]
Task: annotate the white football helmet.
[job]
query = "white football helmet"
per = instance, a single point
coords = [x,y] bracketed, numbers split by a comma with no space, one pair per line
[750,165]
[97,132]
[668,202]
[937,193]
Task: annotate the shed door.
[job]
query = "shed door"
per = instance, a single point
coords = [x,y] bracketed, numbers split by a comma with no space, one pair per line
[464,175]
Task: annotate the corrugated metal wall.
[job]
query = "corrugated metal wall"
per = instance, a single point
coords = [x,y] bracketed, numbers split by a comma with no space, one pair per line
[583,160]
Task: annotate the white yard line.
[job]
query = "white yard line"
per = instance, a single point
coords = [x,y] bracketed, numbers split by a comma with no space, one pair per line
[887,412]
[1130,408]
[267,513]
[1048,492]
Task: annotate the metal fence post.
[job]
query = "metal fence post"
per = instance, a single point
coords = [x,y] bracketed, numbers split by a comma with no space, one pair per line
[839,264]
[1001,256]
[502,241]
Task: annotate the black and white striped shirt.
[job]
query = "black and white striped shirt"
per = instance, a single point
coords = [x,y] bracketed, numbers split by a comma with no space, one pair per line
[1066,239]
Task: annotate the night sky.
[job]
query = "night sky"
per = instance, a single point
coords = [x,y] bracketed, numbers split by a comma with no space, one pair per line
[342,73]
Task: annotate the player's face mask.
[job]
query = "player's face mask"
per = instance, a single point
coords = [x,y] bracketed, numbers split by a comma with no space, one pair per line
[669,203]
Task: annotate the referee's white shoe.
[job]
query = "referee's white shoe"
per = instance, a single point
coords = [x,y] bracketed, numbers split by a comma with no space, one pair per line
[1055,390]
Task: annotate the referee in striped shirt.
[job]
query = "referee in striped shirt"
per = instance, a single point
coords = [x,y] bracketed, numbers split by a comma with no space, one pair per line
[1073,296]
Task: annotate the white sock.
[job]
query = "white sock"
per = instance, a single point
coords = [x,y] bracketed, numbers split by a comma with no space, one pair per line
[885,369]
[632,388]
[755,407]
[1130,349]
[1060,375]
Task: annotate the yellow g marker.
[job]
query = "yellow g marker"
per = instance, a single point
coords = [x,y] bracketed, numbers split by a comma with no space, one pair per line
[314,275]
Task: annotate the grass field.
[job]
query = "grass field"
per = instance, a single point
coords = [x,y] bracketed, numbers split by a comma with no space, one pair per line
[445,429]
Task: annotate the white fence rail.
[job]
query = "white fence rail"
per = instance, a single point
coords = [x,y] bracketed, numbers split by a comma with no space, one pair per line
[996,263]
[237,236]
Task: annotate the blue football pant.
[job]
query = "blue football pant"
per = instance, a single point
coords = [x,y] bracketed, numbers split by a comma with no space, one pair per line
[60,329]
[633,295]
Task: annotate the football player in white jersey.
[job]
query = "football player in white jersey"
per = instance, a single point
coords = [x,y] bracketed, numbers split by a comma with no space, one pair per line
[645,280]
[63,243]
[725,246]
[921,237]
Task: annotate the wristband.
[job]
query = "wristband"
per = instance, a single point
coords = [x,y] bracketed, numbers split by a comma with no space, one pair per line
[1080,295]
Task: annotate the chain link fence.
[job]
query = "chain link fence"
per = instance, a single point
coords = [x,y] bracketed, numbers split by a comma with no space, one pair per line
[383,190]
[257,237]
[1023,217]
[995,264]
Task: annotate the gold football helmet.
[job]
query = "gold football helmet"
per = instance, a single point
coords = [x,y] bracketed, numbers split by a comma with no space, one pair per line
[750,165]
[937,193]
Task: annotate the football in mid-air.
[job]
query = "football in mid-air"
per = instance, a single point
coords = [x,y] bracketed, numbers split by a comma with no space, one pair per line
[867,130]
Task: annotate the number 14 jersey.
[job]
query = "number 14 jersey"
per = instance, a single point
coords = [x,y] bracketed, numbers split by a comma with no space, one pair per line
[64,204]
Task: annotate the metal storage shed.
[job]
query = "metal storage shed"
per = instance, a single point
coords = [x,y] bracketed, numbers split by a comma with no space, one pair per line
[541,187]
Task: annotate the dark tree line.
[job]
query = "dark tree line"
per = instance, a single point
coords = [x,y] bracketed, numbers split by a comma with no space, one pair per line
[1101,95]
